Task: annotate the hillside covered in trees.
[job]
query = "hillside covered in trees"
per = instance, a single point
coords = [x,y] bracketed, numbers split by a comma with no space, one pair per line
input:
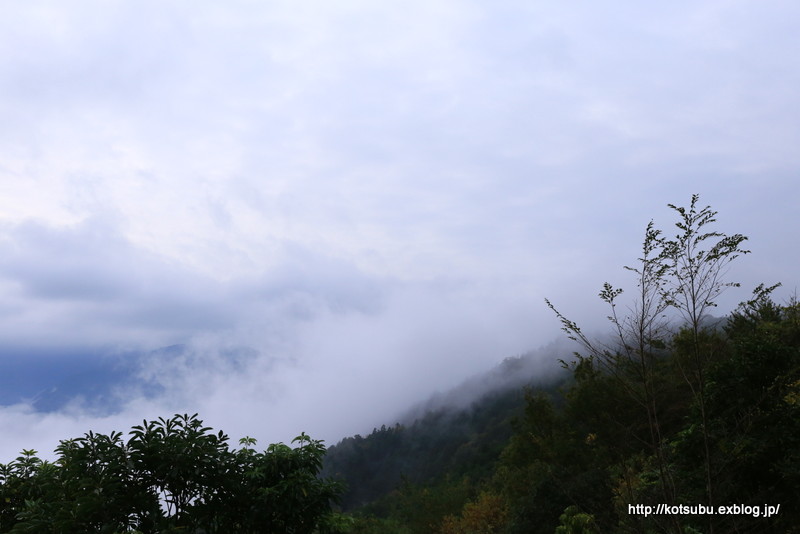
[677,423]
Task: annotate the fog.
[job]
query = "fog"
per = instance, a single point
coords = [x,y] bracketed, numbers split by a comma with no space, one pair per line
[312,216]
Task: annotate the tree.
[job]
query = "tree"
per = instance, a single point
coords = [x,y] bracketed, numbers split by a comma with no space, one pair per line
[685,273]
[485,515]
[696,262]
[183,464]
[639,338]
[573,521]
[550,463]
[172,475]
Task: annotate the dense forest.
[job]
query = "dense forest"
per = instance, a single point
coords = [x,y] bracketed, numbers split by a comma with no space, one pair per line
[676,422]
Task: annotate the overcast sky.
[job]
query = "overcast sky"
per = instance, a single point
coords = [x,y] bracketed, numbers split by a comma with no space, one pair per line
[374,198]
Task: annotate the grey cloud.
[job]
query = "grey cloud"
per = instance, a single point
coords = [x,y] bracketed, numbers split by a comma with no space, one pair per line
[89,262]
[101,278]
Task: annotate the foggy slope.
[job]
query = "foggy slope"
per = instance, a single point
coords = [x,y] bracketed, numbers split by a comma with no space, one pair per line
[457,433]
[534,368]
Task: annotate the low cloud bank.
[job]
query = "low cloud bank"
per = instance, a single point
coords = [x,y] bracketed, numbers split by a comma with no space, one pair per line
[314,345]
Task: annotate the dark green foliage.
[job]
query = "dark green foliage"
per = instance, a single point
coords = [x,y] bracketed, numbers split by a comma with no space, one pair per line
[408,479]
[696,412]
[421,508]
[687,416]
[172,475]
[573,521]
[577,459]
[580,463]
[754,413]
[444,443]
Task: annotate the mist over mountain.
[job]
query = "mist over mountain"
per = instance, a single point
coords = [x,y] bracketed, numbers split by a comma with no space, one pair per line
[533,368]
[459,432]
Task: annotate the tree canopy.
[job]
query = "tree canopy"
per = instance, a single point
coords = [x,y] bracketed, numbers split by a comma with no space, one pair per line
[170,475]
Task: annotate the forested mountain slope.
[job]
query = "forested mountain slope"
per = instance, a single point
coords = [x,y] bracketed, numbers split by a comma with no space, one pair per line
[459,433]
[675,423]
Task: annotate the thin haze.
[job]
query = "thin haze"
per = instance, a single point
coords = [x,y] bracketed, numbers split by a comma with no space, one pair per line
[368,199]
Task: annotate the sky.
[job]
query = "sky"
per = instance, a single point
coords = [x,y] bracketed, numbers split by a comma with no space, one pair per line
[294,216]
